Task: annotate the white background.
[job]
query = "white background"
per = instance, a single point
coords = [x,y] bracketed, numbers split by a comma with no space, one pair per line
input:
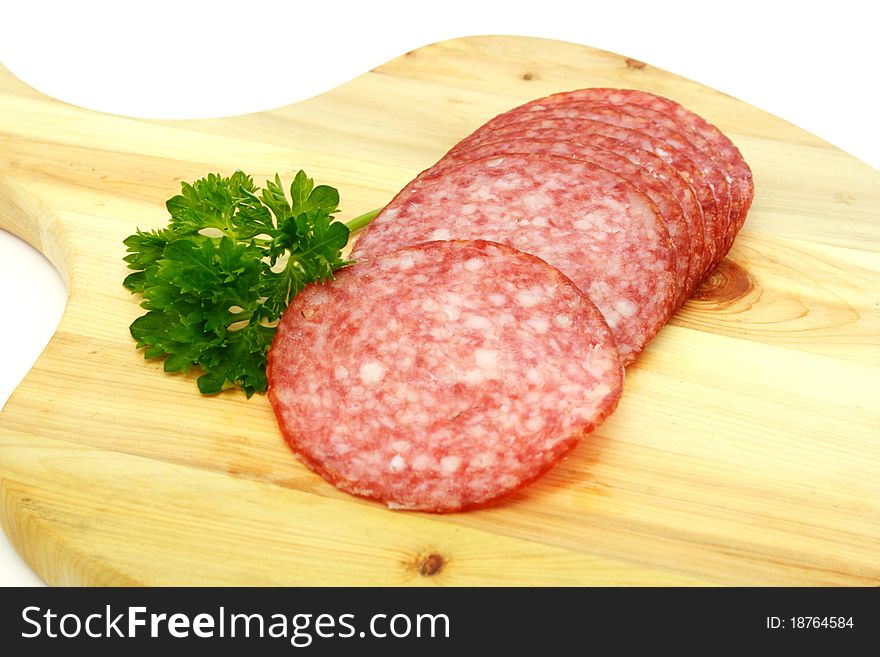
[813,63]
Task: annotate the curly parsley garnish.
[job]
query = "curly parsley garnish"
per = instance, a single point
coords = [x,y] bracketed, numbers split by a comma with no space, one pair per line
[216,280]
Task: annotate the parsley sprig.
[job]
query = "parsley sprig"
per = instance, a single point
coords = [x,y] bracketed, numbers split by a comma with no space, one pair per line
[216,280]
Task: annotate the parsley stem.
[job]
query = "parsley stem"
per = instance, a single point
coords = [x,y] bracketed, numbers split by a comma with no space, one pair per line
[361,221]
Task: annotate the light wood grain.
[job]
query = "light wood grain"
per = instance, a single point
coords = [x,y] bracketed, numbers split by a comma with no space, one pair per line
[746,449]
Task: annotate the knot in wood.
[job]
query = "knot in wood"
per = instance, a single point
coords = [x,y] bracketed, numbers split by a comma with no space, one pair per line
[430,565]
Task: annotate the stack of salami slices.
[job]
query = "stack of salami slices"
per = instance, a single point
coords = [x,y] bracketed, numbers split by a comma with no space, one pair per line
[498,296]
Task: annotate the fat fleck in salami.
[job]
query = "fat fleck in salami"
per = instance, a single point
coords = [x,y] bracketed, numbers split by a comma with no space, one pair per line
[590,223]
[441,376]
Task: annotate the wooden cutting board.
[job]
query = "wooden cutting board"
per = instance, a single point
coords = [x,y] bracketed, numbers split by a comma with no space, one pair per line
[746,449]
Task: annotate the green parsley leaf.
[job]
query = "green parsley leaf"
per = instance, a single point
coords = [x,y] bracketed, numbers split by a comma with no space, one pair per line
[217,279]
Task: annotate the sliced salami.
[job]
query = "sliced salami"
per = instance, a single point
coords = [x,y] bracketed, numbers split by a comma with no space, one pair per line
[581,218]
[729,156]
[658,191]
[442,376]
[578,129]
[705,136]
[671,145]
[683,191]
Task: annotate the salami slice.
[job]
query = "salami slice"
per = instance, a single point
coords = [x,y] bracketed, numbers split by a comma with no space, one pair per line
[672,146]
[640,148]
[729,156]
[669,207]
[705,136]
[581,218]
[442,376]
